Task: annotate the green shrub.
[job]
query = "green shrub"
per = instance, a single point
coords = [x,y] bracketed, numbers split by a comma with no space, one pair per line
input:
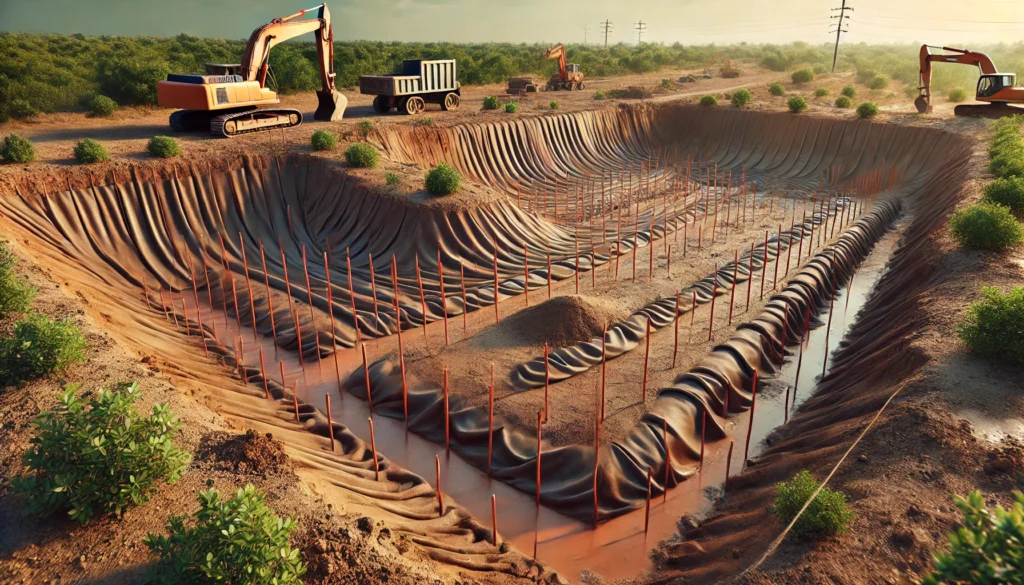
[993,326]
[323,140]
[392,179]
[598,95]
[850,91]
[797,104]
[878,82]
[775,62]
[821,92]
[423,122]
[163,147]
[985,226]
[20,109]
[15,294]
[802,76]
[235,541]
[101,106]
[511,107]
[708,101]
[362,155]
[99,458]
[16,149]
[89,151]
[827,514]
[957,95]
[741,98]
[986,548]
[1008,192]
[666,83]
[443,180]
[819,69]
[553,105]
[364,127]
[39,348]
[843,102]
[1009,163]
[490,103]
[776,89]
[867,110]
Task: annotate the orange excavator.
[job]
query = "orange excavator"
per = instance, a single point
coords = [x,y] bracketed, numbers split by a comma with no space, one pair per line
[999,89]
[569,75]
[727,71]
[230,99]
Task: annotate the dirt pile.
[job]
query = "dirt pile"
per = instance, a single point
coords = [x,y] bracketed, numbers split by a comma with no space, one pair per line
[248,453]
[560,321]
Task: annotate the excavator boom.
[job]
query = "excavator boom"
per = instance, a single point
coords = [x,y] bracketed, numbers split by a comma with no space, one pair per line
[993,86]
[569,76]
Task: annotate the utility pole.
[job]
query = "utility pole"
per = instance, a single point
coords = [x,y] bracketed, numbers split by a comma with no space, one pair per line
[839,29]
[641,25]
[607,25]
[586,29]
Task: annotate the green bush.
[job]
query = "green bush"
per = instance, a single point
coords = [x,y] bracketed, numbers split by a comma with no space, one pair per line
[101,106]
[821,92]
[819,69]
[741,98]
[776,89]
[490,103]
[20,109]
[15,294]
[89,151]
[1008,192]
[985,226]
[365,127]
[423,122]
[323,140]
[163,147]
[511,107]
[986,548]
[553,105]
[1007,149]
[993,326]
[1009,163]
[843,102]
[867,110]
[801,76]
[392,179]
[850,91]
[666,83]
[443,180]
[866,75]
[16,149]
[879,82]
[598,95]
[708,101]
[39,348]
[797,104]
[99,458]
[362,155]
[957,95]
[827,514]
[235,541]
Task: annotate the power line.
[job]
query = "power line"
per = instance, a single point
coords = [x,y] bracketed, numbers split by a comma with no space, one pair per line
[839,30]
[640,27]
[607,25]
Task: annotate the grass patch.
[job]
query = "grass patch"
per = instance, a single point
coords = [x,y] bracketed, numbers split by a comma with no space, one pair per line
[163,147]
[598,95]
[88,151]
[986,547]
[709,101]
[986,226]
[443,180]
[364,127]
[511,107]
[553,105]
[993,325]
[392,179]
[797,104]
[821,92]
[867,110]
[16,149]
[362,155]
[490,103]
[741,97]
[878,82]
[827,514]
[957,95]
[39,347]
[15,294]
[323,140]
[776,89]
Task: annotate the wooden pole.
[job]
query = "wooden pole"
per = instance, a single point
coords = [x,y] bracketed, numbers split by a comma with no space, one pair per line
[352,297]
[714,293]
[373,449]
[735,275]
[401,347]
[494,520]
[668,460]
[647,511]
[764,263]
[539,436]
[248,285]
[373,291]
[526,274]
[270,298]
[263,374]
[465,300]
[366,371]
[547,380]
[309,299]
[444,302]
[675,343]
[437,481]
[647,359]
[604,368]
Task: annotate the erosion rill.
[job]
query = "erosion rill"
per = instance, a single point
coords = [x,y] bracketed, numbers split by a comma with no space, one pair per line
[588,189]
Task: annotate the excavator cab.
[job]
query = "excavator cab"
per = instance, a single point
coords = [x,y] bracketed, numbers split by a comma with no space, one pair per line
[572,68]
[990,85]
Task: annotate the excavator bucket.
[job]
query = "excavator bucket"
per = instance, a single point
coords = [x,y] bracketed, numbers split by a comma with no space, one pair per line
[331,106]
[923,104]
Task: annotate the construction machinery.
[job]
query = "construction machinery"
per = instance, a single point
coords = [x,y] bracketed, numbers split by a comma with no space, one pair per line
[727,71]
[999,89]
[569,76]
[418,83]
[231,99]
[519,86]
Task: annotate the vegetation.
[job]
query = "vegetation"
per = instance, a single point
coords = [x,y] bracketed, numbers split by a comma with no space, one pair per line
[599,95]
[878,82]
[986,548]
[39,347]
[443,180]
[15,294]
[993,325]
[986,226]
[801,76]
[957,95]
[827,514]
[1007,149]
[1008,192]
[323,140]
[364,127]
[821,92]
[666,83]
[423,122]
[100,457]
[102,107]
[741,98]
[490,103]
[776,89]
[511,107]
[362,155]
[163,147]
[392,179]
[15,149]
[849,91]
[236,541]
[88,151]
[867,110]
[708,101]
[843,102]
[797,104]
[553,105]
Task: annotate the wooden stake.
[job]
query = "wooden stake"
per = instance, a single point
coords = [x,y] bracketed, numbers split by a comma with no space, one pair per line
[373,291]
[675,343]
[373,448]
[547,380]
[444,302]
[668,459]
[401,347]
[735,275]
[647,511]
[604,367]
[263,373]
[764,263]
[366,372]
[647,359]
[714,293]
[494,520]
[539,431]
[423,301]
[440,498]
[330,421]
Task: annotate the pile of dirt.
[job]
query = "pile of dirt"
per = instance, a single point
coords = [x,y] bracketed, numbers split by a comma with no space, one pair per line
[633,92]
[247,453]
[560,321]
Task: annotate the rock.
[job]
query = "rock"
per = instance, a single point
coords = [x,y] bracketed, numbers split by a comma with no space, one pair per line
[904,538]
[365,524]
[863,459]
[999,465]
[736,553]
[687,523]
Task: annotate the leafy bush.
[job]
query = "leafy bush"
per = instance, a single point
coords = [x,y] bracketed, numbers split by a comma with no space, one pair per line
[490,103]
[879,82]
[776,89]
[131,78]
[775,62]
[20,109]
[843,102]
[15,294]
[99,458]
[819,69]
[89,151]
[957,95]
[708,101]
[993,326]
[850,91]
[986,548]
[235,541]
[827,514]
[867,110]
[797,104]
[101,106]
[553,105]
[802,76]
[1007,164]
[392,179]
[323,140]
[365,127]
[1008,192]
[163,147]
[511,107]
[985,226]
[39,348]
[443,180]
[598,95]
[16,149]
[1007,149]
[362,155]
[741,98]
[666,83]
[821,92]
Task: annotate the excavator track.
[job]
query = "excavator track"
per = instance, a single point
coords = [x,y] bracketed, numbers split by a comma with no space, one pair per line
[993,110]
[254,120]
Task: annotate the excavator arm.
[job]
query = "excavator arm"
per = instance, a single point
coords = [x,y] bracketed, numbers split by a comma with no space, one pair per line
[951,55]
[558,52]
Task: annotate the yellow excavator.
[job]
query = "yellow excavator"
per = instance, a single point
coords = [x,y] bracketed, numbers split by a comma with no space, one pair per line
[569,76]
[231,99]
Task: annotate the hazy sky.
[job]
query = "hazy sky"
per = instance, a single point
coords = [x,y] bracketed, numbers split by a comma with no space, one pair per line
[946,22]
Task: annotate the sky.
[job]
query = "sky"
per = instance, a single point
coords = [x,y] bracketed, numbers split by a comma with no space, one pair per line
[947,22]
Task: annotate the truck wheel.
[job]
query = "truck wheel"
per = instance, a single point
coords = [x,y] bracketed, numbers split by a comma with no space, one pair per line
[381,105]
[451,102]
[413,105]
[583,85]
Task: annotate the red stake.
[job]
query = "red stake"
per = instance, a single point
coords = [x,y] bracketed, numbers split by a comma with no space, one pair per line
[447,421]
[778,258]
[538,454]
[597,458]
[693,310]
[604,365]
[444,302]
[526,274]
[675,344]
[668,459]
[401,347]
[373,291]
[263,372]
[490,421]
[465,301]
[494,520]
[647,512]
[735,275]
[248,284]
[647,359]
[714,293]
[440,498]
[764,263]
[497,317]
[547,380]
[309,299]
[550,277]
[270,299]
[330,421]
[334,337]
[298,333]
[750,424]
[728,464]
[750,276]
[373,448]
[366,371]
[703,428]
[352,296]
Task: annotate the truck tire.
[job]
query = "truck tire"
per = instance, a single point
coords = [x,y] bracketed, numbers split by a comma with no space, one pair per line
[451,102]
[381,105]
[412,105]
[583,85]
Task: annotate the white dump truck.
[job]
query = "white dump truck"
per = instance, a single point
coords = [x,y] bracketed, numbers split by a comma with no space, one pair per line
[420,83]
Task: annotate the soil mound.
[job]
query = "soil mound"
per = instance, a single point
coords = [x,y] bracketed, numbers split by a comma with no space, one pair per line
[250,452]
[559,321]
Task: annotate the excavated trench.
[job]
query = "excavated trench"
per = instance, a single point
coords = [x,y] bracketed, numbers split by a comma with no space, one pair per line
[269,284]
